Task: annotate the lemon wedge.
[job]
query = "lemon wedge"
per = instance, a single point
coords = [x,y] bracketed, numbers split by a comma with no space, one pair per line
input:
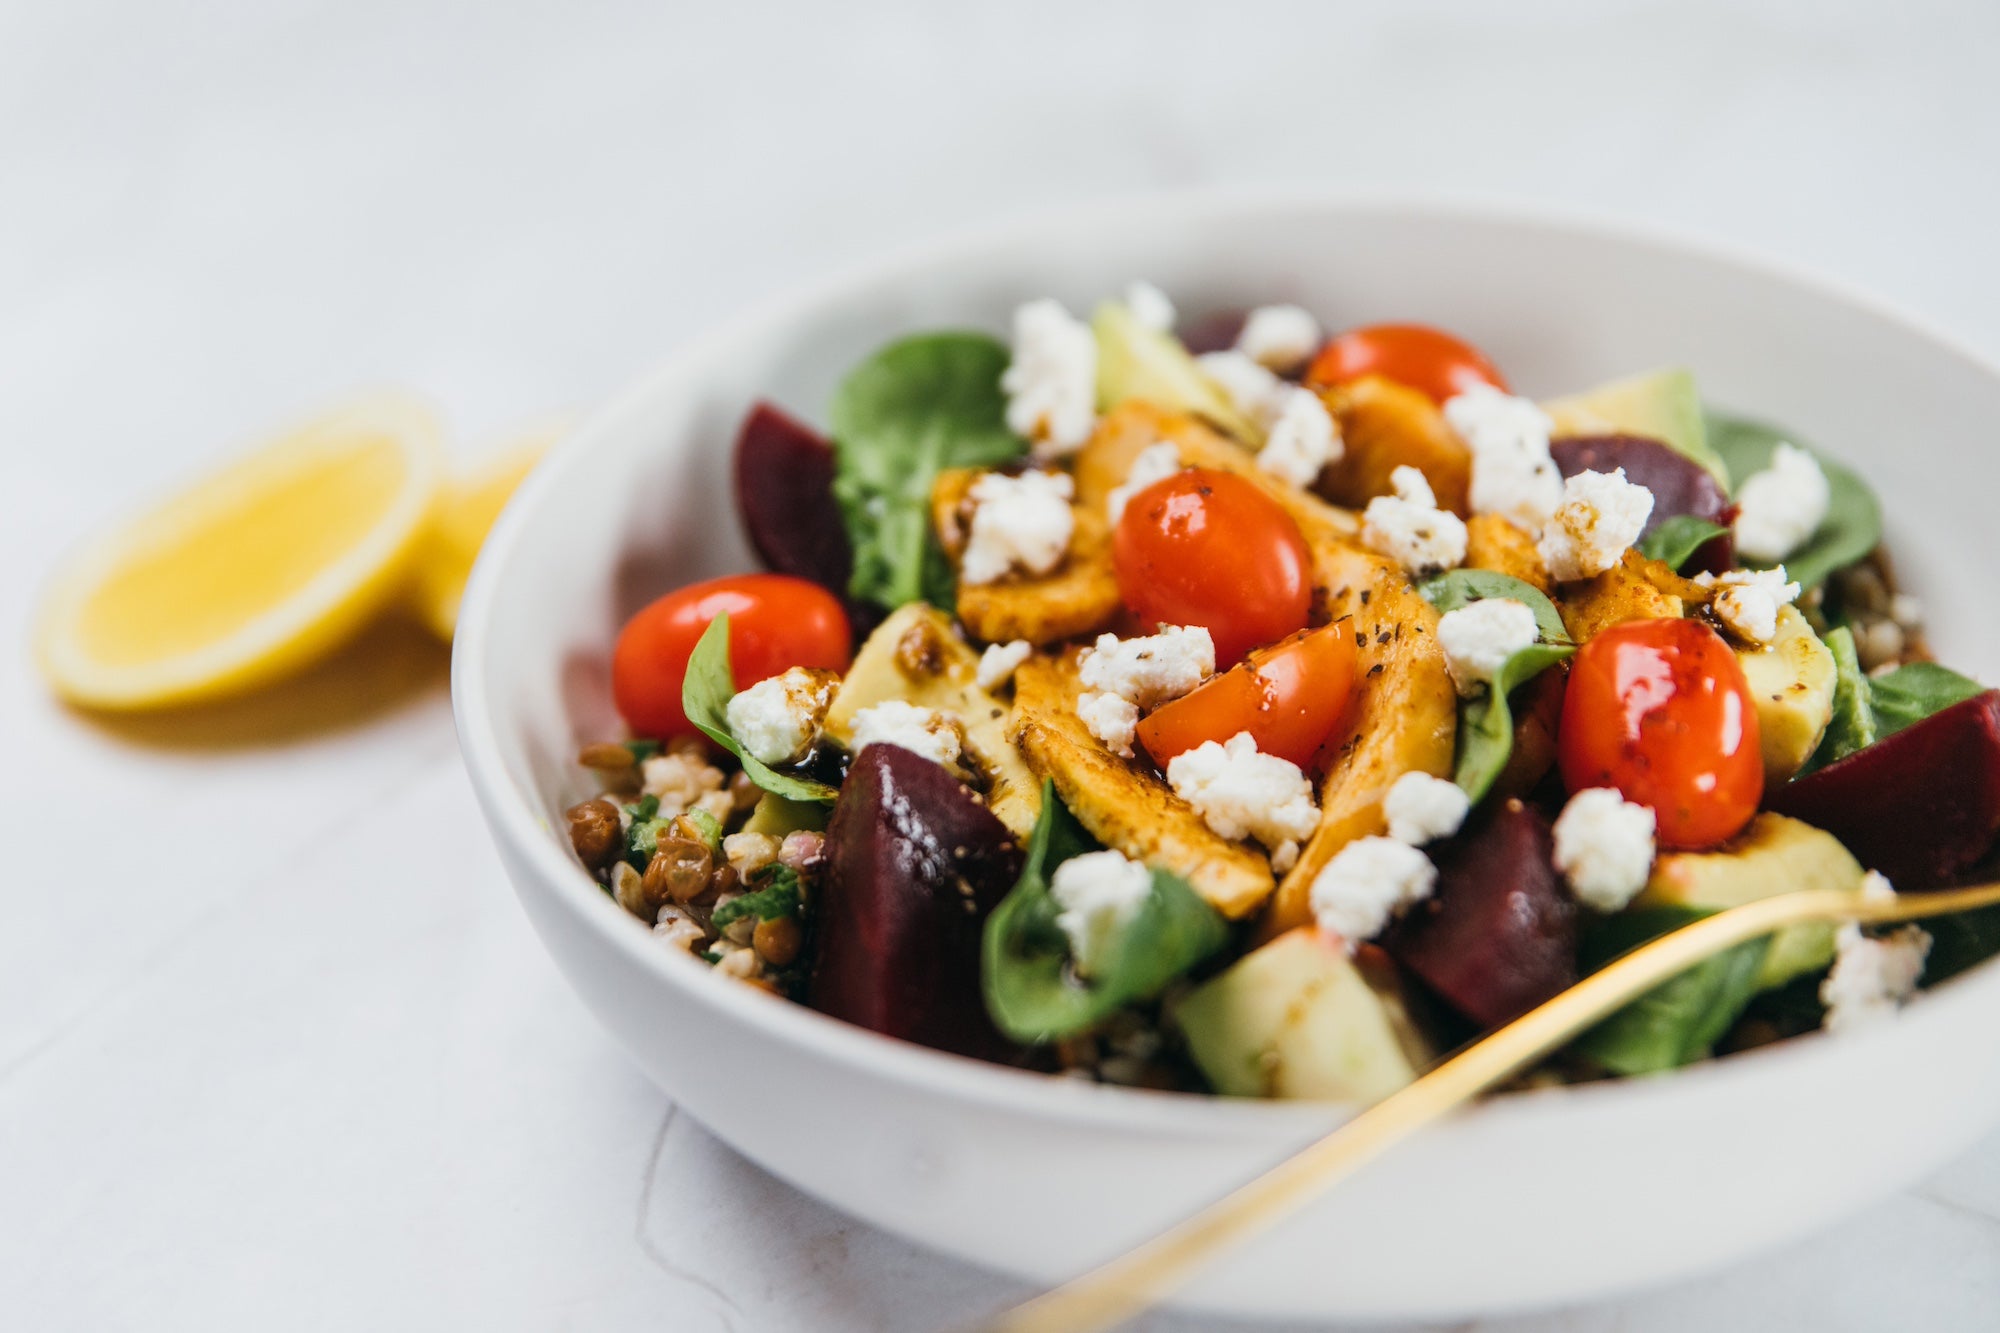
[465,513]
[252,572]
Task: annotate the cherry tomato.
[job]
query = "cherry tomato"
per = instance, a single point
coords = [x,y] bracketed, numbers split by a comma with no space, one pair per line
[1289,696]
[1660,710]
[1424,358]
[1208,548]
[775,622]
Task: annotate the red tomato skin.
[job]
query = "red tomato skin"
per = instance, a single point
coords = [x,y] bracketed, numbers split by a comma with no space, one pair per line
[1660,710]
[775,622]
[1426,359]
[1290,697]
[1209,548]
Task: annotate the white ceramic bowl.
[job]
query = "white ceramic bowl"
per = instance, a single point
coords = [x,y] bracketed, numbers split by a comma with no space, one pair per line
[1530,1200]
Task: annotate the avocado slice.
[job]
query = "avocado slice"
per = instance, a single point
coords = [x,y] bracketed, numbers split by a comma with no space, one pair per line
[1661,405]
[1774,855]
[1792,680]
[1297,1018]
[1135,360]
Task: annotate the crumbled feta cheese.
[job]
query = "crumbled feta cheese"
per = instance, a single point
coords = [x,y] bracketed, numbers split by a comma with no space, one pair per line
[1872,976]
[1778,509]
[1876,885]
[1421,808]
[1479,638]
[1113,720]
[1022,522]
[1279,337]
[1410,529]
[998,663]
[1747,600]
[777,720]
[1600,516]
[680,778]
[1303,440]
[1151,670]
[1367,882]
[1512,473]
[926,731]
[1240,792]
[1099,893]
[1283,857]
[1255,391]
[1051,384]
[1150,306]
[1604,847]
[1155,463]
[1487,418]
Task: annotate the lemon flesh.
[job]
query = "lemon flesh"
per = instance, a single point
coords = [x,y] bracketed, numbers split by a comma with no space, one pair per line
[464,514]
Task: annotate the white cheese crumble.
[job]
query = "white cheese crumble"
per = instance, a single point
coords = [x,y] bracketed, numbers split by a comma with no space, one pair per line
[1255,391]
[1150,306]
[1747,601]
[1151,670]
[1778,509]
[1872,975]
[777,720]
[1240,792]
[1876,885]
[1604,847]
[926,731]
[1051,384]
[1113,720]
[1303,440]
[1099,893]
[1155,463]
[1022,522]
[1479,638]
[999,662]
[1512,473]
[1410,529]
[1600,516]
[1420,808]
[1279,337]
[1367,882]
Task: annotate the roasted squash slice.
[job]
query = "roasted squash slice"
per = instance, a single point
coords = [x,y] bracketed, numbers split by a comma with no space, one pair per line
[1079,596]
[1385,425]
[1635,588]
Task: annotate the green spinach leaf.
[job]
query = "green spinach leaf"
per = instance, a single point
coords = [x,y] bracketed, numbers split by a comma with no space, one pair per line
[1486,721]
[1676,539]
[1853,525]
[915,408]
[1909,694]
[1678,1021]
[1033,993]
[778,897]
[705,695]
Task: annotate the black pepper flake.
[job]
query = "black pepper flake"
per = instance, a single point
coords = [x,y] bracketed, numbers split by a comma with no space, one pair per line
[1383,638]
[1360,639]
[1376,670]
[1366,593]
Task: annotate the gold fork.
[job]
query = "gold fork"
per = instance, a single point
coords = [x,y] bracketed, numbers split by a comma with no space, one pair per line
[1128,1284]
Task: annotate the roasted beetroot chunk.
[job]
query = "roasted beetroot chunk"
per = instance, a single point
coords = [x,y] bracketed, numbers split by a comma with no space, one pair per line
[1922,805]
[1498,936]
[1679,485]
[914,864]
[784,493]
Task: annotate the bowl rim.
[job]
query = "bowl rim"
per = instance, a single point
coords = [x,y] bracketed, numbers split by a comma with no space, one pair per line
[512,814]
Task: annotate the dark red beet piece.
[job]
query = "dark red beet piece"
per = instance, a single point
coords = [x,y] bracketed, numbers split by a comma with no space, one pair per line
[1215,331]
[1679,486]
[1498,936]
[1920,806]
[914,864]
[784,493]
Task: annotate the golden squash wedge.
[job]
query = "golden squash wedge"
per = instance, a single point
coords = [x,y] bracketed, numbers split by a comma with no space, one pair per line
[1079,596]
[1384,426]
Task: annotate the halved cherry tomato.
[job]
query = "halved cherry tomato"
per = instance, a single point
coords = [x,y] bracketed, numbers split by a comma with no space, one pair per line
[1660,710]
[1208,548]
[1424,358]
[1289,696]
[775,622]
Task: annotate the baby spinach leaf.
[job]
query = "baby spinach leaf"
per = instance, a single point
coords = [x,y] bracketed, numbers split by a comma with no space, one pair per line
[1852,726]
[1678,1021]
[1676,539]
[1486,721]
[918,406]
[1853,525]
[705,695]
[778,897]
[1909,694]
[1033,993]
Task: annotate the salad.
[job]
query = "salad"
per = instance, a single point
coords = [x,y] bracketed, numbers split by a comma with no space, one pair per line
[1267,713]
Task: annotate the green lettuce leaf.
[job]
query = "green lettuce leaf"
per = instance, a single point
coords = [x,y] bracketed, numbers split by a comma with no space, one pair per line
[1909,694]
[1853,525]
[1680,1020]
[1676,539]
[705,696]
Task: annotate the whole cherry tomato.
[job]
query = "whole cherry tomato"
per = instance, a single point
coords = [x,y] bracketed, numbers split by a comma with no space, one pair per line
[1660,710]
[1209,548]
[775,622]
[1424,358]
[1289,696]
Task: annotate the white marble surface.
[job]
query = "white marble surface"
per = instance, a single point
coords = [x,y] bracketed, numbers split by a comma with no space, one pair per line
[276,1047]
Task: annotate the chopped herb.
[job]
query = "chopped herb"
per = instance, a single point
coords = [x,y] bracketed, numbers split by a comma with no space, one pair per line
[641,751]
[779,897]
[708,826]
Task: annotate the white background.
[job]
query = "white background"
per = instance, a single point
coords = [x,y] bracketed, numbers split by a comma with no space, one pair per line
[276,1047]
